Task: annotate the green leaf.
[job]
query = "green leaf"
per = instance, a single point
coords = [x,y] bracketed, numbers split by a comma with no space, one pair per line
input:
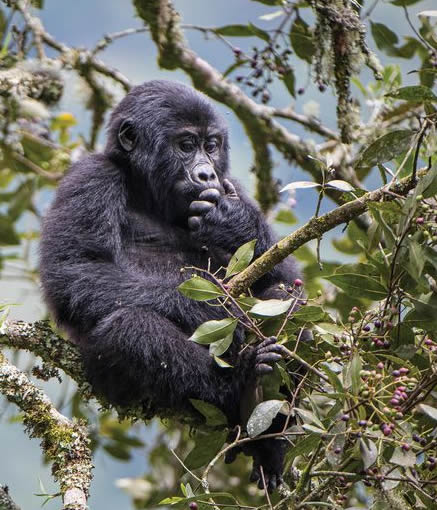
[414,94]
[241,258]
[431,14]
[383,36]
[262,34]
[286,216]
[213,415]
[222,363]
[300,185]
[340,185]
[403,458]
[355,369]
[234,31]
[8,236]
[358,285]
[220,346]
[428,410]
[416,259]
[206,448]
[310,314]
[301,40]
[211,331]
[312,428]
[404,3]
[269,2]
[271,307]
[290,81]
[199,289]
[262,416]
[303,447]
[386,148]
[309,417]
[369,452]
[179,502]
[333,379]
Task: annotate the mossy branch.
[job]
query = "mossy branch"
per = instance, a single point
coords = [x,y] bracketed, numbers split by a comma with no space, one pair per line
[314,229]
[65,442]
[6,502]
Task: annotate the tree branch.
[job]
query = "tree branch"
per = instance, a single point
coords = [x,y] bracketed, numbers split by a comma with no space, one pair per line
[64,442]
[6,502]
[314,229]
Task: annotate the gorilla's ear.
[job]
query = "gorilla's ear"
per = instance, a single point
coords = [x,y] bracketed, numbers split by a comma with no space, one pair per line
[127,135]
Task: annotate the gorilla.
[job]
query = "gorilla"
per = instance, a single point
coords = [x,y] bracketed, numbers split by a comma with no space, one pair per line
[122,225]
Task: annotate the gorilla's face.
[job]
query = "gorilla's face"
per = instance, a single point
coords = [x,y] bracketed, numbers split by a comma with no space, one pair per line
[173,140]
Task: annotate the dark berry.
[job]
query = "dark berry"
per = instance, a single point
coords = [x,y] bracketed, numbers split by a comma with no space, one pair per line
[300,91]
[420,220]
[396,373]
[345,417]
[405,447]
[377,324]
[193,505]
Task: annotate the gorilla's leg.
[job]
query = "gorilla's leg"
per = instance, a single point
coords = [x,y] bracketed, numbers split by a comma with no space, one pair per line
[135,355]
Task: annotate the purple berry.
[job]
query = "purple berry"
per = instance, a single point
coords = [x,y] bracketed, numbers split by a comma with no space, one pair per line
[405,447]
[396,373]
[298,282]
[420,220]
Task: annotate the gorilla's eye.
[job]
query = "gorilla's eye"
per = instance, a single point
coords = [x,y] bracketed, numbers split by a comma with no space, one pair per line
[211,145]
[187,146]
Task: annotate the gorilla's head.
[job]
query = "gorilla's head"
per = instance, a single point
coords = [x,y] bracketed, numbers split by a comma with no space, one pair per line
[172,140]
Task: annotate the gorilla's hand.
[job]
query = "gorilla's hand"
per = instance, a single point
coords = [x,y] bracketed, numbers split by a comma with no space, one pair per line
[212,216]
[267,351]
[267,454]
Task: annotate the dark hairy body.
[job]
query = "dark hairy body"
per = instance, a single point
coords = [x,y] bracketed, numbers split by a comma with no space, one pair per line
[123,224]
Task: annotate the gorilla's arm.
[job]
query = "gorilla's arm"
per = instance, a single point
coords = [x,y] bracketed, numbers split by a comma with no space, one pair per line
[230,219]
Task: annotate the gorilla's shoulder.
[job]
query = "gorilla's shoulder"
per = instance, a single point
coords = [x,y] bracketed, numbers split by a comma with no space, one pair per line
[93,178]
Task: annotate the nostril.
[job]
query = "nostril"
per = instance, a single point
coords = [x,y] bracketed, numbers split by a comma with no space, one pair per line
[203,176]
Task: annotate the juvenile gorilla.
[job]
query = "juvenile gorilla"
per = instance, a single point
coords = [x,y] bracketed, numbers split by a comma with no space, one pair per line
[121,227]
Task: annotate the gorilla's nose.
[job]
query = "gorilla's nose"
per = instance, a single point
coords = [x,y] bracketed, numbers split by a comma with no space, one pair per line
[205,174]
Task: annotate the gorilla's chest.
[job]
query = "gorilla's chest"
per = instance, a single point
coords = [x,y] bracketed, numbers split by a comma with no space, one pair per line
[152,244]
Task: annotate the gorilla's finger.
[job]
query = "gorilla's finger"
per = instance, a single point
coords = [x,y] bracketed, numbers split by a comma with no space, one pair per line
[211,195]
[255,475]
[268,341]
[272,484]
[263,369]
[261,483]
[271,348]
[279,480]
[200,207]
[268,357]
[231,455]
[229,189]
[194,222]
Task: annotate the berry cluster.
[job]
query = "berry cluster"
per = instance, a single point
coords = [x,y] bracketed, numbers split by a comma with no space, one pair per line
[264,64]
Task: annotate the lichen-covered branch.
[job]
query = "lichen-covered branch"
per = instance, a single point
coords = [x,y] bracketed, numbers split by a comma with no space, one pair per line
[6,502]
[58,353]
[314,229]
[44,84]
[64,442]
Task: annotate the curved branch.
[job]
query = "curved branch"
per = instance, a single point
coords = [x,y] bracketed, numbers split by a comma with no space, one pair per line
[314,229]
[64,442]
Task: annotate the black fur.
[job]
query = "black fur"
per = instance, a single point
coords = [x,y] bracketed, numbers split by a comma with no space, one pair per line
[122,226]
